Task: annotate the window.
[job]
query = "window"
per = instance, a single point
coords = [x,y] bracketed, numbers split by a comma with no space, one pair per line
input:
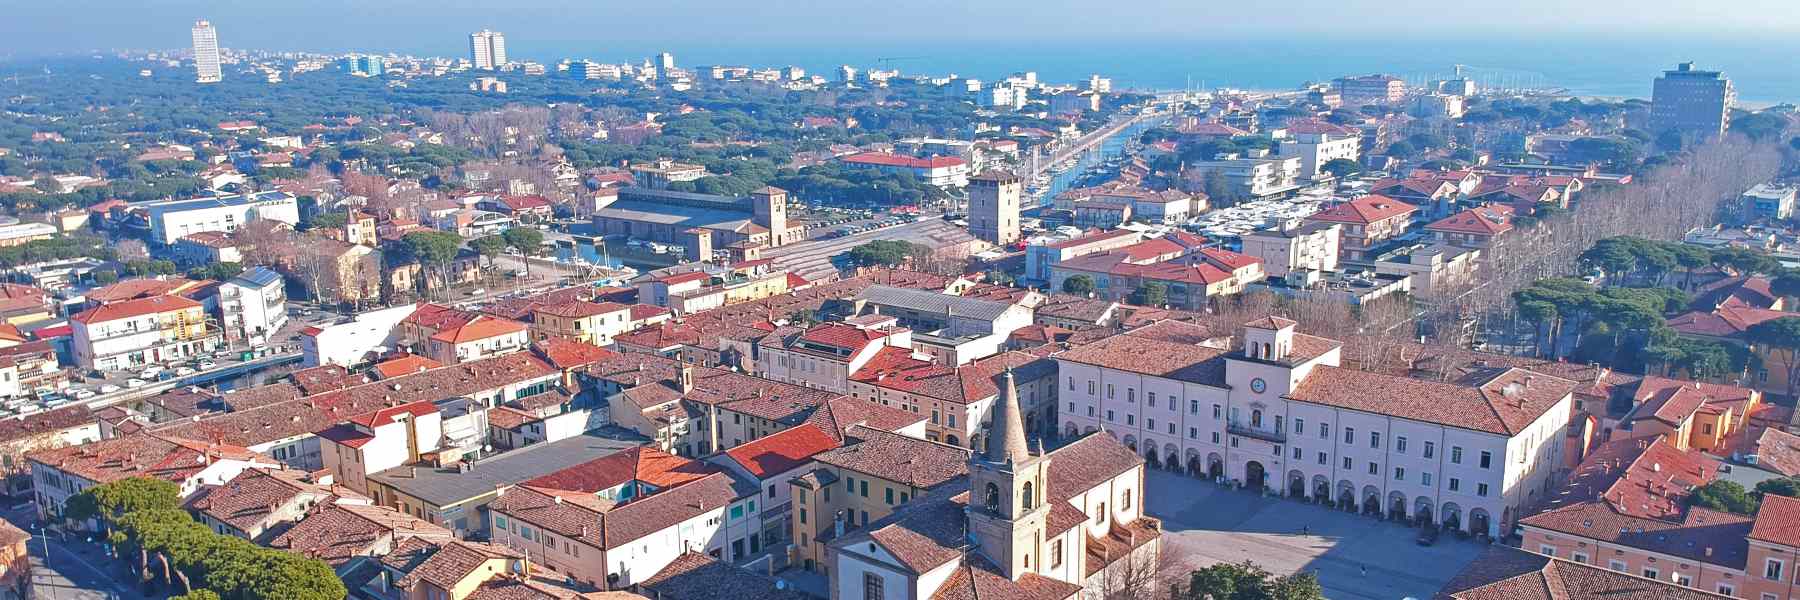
[1109,391]
[1772,569]
[1579,557]
[1400,473]
[1278,428]
[1682,580]
[872,588]
[1234,441]
[802,519]
[1090,411]
[1400,444]
[1455,484]
[1130,419]
[1347,464]
[1150,424]
[1299,426]
[1374,439]
[1109,415]
[1374,469]
[1218,412]
[1616,565]
[1130,395]
[1150,399]
[1193,407]
[500,522]
[1547,550]
[889,496]
[1193,433]
[1725,589]
[1090,387]
[1298,453]
[1171,429]
[1322,458]
[1256,418]
[771,491]
[1425,479]
[865,489]
[1428,449]
[1125,501]
[1456,455]
[1650,573]
[1349,435]
[1487,459]
[1026,499]
[1481,489]
[1056,555]
[1071,384]
[1215,437]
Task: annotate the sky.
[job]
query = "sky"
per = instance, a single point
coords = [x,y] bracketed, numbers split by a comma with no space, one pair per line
[34,27]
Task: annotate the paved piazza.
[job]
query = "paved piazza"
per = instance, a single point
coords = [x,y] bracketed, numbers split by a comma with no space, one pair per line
[1356,557]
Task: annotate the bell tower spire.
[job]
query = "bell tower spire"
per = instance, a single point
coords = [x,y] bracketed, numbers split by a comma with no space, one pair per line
[1008,507]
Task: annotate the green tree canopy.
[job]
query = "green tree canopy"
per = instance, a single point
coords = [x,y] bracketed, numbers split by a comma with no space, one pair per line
[109,501]
[329,221]
[886,253]
[489,246]
[526,240]
[1724,495]
[431,247]
[1248,581]
[1341,167]
[1151,293]
[1784,486]
[1080,285]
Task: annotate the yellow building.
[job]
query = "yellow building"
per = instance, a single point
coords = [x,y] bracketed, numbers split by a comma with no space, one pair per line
[591,322]
[865,480]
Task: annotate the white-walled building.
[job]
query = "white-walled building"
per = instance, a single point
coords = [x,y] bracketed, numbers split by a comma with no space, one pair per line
[1308,247]
[173,219]
[825,356]
[253,305]
[1316,143]
[1281,412]
[59,473]
[140,332]
[380,440]
[349,344]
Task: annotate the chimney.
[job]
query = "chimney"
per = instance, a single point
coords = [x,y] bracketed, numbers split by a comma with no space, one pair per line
[837,525]
[686,378]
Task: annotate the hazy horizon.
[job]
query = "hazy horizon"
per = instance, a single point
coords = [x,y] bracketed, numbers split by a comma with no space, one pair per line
[442,26]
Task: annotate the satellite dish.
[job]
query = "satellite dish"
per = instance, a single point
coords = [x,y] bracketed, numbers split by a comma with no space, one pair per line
[781,584]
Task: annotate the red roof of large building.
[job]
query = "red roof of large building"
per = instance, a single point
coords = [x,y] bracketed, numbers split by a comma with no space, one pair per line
[644,464]
[783,451]
[1368,209]
[1493,219]
[480,328]
[894,160]
[133,308]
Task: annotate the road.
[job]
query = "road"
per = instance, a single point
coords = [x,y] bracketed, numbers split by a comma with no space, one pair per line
[74,569]
[811,259]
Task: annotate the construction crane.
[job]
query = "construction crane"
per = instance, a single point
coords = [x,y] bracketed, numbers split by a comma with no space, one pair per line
[885,61]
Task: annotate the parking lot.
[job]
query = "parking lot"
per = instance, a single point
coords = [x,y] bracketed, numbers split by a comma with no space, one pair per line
[1354,556]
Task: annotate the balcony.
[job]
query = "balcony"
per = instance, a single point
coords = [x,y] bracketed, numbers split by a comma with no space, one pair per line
[1237,428]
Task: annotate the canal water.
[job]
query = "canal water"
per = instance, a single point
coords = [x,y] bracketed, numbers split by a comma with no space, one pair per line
[1113,146]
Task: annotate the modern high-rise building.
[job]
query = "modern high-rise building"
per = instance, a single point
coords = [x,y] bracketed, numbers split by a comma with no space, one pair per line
[1691,101]
[994,207]
[365,65]
[487,49]
[665,62]
[206,53]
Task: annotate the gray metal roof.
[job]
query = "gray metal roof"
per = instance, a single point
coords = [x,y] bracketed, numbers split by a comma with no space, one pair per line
[933,302]
[257,277]
[445,487]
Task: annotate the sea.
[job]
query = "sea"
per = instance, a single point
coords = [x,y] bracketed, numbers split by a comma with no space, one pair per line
[1587,65]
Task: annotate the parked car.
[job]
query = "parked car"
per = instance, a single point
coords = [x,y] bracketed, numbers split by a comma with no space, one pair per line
[184,371]
[477,292]
[83,394]
[108,388]
[1428,535]
[206,364]
[134,383]
[150,372]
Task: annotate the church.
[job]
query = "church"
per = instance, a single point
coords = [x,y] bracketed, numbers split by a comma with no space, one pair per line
[1029,524]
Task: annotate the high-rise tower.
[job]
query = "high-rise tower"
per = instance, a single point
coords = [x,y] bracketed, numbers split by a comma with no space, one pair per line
[487,49]
[206,53]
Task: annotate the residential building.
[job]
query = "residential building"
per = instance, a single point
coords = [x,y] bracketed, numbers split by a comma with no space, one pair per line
[1253,176]
[565,524]
[1282,413]
[659,174]
[344,536]
[1317,143]
[698,576]
[866,479]
[253,306]
[21,233]
[1040,257]
[952,329]
[1689,415]
[1189,273]
[141,332]
[1312,246]
[487,49]
[1480,227]
[59,473]
[56,428]
[258,501]
[1370,89]
[825,356]
[591,322]
[941,171]
[1692,102]
[351,343]
[1436,106]
[479,338]
[170,220]
[1768,202]
[1369,223]
[206,53]
[207,247]
[1436,270]
[994,207]
[767,464]
[15,561]
[961,399]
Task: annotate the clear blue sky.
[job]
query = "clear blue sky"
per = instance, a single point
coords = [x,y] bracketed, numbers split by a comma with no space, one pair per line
[440,26]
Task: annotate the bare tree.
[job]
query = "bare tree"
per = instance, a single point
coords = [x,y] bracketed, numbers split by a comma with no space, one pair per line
[132,250]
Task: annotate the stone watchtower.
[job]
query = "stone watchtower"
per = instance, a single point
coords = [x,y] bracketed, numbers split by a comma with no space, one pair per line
[1007,497]
[770,211]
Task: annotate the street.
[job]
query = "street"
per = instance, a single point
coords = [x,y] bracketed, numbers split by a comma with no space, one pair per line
[812,258]
[75,569]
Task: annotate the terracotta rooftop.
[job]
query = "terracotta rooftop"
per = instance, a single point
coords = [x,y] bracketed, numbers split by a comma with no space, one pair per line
[442,564]
[1498,400]
[643,464]
[1778,521]
[1506,573]
[1778,451]
[481,327]
[696,576]
[142,455]
[336,533]
[68,417]
[898,458]
[133,308]
[1365,210]
[405,365]
[578,309]
[580,516]
[250,499]
[782,451]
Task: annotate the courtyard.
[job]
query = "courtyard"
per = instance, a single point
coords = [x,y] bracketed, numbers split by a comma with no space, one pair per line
[1354,556]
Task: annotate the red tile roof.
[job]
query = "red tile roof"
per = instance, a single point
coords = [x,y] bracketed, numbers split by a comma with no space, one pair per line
[581,308]
[482,327]
[142,455]
[644,464]
[1778,521]
[1497,400]
[133,308]
[894,160]
[1365,210]
[407,364]
[782,451]
[1483,220]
